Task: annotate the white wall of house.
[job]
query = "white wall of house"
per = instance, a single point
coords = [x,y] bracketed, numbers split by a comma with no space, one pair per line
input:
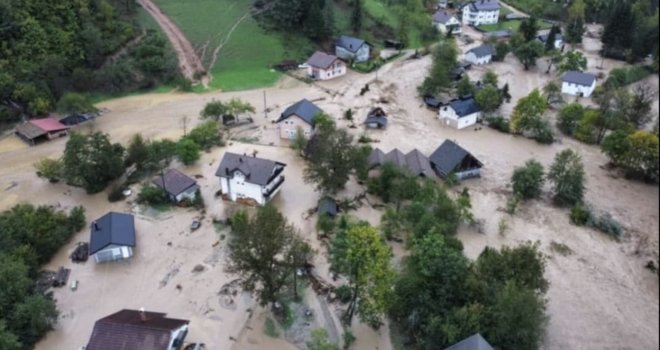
[453,22]
[174,335]
[289,128]
[448,116]
[361,55]
[468,174]
[576,89]
[237,187]
[113,253]
[187,194]
[337,69]
[472,58]
[479,17]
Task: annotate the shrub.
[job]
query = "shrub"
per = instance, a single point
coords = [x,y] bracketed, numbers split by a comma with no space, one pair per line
[270,328]
[512,204]
[299,142]
[365,139]
[608,225]
[580,214]
[620,77]
[349,339]
[561,248]
[325,224]
[188,151]
[206,135]
[116,194]
[344,293]
[528,180]
[50,169]
[499,123]
[198,201]
[452,180]
[152,195]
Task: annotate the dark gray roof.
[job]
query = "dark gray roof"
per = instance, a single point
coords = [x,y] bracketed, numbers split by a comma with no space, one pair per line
[328,206]
[483,50]
[584,79]
[484,5]
[448,156]
[376,158]
[473,342]
[396,157]
[112,228]
[381,121]
[350,43]
[304,109]
[464,107]
[132,330]
[415,162]
[321,60]
[442,17]
[499,34]
[175,182]
[256,170]
[418,163]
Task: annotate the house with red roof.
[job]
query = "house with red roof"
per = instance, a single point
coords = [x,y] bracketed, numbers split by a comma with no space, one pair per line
[37,130]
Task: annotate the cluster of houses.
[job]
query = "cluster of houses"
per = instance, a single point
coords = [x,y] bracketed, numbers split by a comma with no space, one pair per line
[473,13]
[324,66]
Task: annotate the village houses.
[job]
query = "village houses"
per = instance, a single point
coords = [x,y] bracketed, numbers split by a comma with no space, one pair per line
[250,179]
[322,66]
[349,48]
[177,185]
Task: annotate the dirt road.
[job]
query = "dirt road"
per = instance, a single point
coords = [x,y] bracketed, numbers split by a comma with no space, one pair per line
[189,61]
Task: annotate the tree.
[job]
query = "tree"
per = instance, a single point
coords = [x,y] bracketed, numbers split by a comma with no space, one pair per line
[573,61]
[320,341]
[552,91]
[640,105]
[528,180]
[73,102]
[590,128]
[575,25]
[8,341]
[637,153]
[528,113]
[15,283]
[33,318]
[490,78]
[465,87]
[91,161]
[444,61]
[504,92]
[218,110]
[528,28]
[357,16]
[501,50]
[394,185]
[258,249]
[188,151]
[215,110]
[528,52]
[50,169]
[489,99]
[619,29]
[299,254]
[568,178]
[206,135]
[360,253]
[523,265]
[137,152]
[568,118]
[552,37]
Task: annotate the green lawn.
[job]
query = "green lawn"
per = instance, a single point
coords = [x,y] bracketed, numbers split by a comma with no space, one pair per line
[513,25]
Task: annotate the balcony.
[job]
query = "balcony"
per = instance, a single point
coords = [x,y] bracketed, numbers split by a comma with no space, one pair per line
[272,187]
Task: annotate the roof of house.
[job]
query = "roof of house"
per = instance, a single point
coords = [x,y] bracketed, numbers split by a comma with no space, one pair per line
[38,127]
[176,182]
[304,109]
[376,158]
[256,170]
[322,60]
[416,162]
[132,329]
[432,101]
[483,50]
[328,206]
[442,17]
[580,78]
[372,119]
[448,156]
[350,43]
[499,34]
[464,107]
[112,228]
[544,37]
[29,130]
[484,5]
[473,342]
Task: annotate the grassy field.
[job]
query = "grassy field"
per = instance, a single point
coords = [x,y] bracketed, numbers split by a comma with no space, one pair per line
[513,25]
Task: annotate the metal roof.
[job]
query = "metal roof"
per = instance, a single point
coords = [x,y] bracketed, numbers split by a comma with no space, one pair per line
[256,170]
[442,17]
[449,156]
[584,79]
[176,182]
[484,5]
[112,228]
[415,161]
[464,107]
[483,50]
[473,342]
[304,109]
[350,43]
[322,60]
[381,121]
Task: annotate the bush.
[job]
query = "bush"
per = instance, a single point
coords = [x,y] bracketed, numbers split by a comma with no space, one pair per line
[543,134]
[620,77]
[344,293]
[152,195]
[349,339]
[528,180]
[116,194]
[51,169]
[206,135]
[198,201]
[580,214]
[188,151]
[512,204]
[325,224]
[499,123]
[608,225]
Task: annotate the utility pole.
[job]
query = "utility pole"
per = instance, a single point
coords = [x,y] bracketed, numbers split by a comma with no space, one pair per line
[265,107]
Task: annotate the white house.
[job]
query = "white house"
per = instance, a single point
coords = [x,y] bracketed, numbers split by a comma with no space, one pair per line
[480,12]
[460,113]
[112,237]
[578,83]
[322,66]
[481,54]
[299,116]
[138,329]
[446,22]
[350,48]
[246,177]
[177,185]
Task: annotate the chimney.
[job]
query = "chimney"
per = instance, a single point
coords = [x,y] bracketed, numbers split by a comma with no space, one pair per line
[96,226]
[143,315]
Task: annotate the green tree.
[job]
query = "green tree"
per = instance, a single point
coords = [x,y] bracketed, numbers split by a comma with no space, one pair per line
[552,91]
[214,110]
[574,27]
[590,128]
[528,113]
[568,118]
[206,135]
[137,152]
[465,87]
[528,28]
[299,254]
[394,185]
[187,151]
[73,102]
[552,37]
[568,178]
[573,61]
[360,253]
[617,146]
[440,76]
[50,169]
[8,341]
[15,283]
[638,153]
[501,50]
[489,99]
[639,111]
[357,16]
[490,78]
[91,161]
[523,265]
[528,180]
[619,29]
[320,341]
[528,52]
[152,195]
[33,318]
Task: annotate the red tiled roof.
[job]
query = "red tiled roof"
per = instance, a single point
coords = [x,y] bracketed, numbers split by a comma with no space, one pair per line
[48,124]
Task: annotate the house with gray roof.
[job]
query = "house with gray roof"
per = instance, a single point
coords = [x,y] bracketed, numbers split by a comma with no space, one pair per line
[473,342]
[450,158]
[112,237]
[177,185]
[322,66]
[376,119]
[446,22]
[352,49]
[481,54]
[299,117]
[414,161]
[460,113]
[249,179]
[578,83]
[478,12]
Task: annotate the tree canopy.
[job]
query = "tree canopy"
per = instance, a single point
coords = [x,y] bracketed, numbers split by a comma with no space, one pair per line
[444,62]
[91,161]
[568,178]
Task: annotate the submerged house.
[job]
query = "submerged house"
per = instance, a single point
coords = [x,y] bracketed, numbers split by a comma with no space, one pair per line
[414,162]
[451,158]
[460,113]
[112,237]
[250,178]
[578,83]
[133,330]
[36,130]
[178,185]
[298,116]
[376,119]
[322,66]
[481,54]
[352,49]
[446,22]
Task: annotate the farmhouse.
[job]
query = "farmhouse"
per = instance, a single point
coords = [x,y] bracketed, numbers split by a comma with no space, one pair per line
[481,54]
[352,49]
[322,66]
[37,130]
[112,237]
[559,40]
[415,161]
[177,185]
[376,119]
[250,178]
[578,83]
[478,12]
[446,22]
[460,113]
[298,116]
[473,342]
[451,158]
[132,329]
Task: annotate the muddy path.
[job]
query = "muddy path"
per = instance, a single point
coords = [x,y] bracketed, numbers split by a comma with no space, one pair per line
[189,61]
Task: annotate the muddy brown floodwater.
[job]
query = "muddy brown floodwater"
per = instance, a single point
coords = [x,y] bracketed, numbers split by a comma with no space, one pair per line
[600,296]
